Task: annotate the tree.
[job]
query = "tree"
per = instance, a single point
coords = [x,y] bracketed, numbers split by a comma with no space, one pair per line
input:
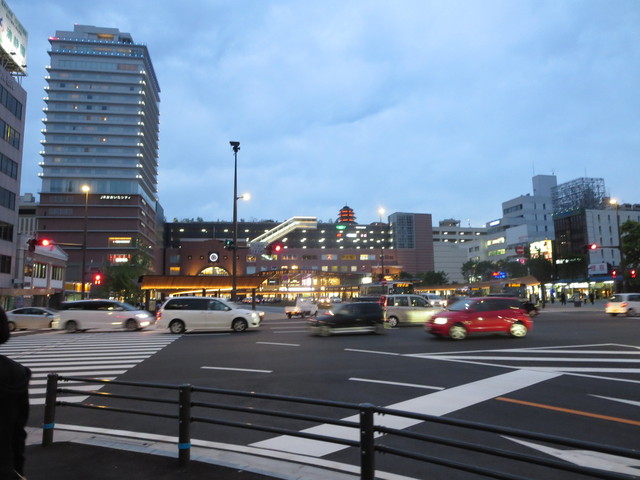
[543,270]
[121,281]
[478,271]
[434,278]
[630,236]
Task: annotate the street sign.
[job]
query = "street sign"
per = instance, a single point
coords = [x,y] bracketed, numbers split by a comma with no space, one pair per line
[520,250]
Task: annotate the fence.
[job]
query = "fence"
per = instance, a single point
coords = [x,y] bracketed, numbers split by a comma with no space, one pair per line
[367,436]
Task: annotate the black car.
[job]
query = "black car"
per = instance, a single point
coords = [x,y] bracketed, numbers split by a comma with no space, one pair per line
[354,317]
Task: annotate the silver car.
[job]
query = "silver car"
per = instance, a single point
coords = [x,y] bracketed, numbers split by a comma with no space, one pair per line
[31,318]
[407,309]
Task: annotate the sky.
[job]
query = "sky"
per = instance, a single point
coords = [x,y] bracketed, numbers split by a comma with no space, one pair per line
[441,107]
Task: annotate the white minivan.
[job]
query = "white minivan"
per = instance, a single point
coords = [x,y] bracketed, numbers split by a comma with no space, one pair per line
[102,314]
[624,304]
[180,314]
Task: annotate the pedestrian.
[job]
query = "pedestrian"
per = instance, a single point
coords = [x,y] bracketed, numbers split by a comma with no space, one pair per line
[14,410]
[592,297]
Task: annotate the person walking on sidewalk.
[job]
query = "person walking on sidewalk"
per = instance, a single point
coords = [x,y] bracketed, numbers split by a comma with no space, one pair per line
[14,410]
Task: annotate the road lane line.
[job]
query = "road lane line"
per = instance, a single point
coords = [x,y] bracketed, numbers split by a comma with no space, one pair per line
[621,400]
[372,351]
[281,344]
[571,411]
[399,384]
[438,403]
[237,369]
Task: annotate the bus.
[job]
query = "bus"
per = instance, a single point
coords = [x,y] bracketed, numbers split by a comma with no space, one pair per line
[378,289]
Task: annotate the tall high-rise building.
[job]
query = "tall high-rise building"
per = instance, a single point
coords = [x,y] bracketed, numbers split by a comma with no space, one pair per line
[100,149]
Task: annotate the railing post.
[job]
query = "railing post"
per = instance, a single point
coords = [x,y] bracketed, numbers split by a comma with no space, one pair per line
[50,409]
[184,432]
[367,447]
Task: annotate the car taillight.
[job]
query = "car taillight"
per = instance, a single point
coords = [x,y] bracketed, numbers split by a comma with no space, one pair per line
[158,315]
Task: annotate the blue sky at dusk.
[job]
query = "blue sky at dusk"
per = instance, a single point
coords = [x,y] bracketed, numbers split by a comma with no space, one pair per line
[441,107]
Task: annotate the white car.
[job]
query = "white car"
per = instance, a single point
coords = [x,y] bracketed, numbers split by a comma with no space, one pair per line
[31,318]
[102,314]
[624,304]
[435,300]
[180,314]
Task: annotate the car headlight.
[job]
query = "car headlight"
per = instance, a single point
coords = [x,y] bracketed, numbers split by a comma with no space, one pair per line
[440,321]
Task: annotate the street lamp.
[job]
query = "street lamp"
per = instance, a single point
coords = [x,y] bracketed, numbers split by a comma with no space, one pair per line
[615,202]
[381,213]
[235,146]
[86,189]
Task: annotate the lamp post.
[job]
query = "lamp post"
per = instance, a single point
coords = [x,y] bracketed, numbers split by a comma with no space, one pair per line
[234,261]
[381,213]
[615,202]
[86,189]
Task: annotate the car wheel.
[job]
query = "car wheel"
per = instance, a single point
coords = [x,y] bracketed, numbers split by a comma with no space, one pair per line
[177,326]
[12,326]
[393,322]
[631,312]
[71,326]
[518,330]
[239,325]
[457,332]
[324,331]
[289,315]
[131,325]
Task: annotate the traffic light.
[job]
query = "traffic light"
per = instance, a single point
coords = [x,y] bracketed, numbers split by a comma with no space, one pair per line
[42,242]
[591,247]
[614,273]
[274,248]
[633,273]
[228,245]
[97,278]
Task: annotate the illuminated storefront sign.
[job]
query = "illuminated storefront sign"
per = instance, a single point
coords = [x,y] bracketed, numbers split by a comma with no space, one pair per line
[542,249]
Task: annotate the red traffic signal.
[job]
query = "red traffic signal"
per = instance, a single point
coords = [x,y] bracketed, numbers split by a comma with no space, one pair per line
[97,279]
[45,242]
[614,273]
[593,246]
[633,273]
[277,247]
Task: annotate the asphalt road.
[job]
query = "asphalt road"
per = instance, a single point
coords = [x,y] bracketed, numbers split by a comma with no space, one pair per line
[575,375]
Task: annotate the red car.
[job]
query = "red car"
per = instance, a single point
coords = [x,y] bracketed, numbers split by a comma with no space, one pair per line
[481,315]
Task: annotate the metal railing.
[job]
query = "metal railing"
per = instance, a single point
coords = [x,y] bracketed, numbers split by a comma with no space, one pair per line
[370,435]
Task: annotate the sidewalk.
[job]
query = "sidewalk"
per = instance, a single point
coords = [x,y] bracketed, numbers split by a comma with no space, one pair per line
[598,306]
[78,454]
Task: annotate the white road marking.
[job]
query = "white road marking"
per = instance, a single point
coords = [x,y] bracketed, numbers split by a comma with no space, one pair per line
[399,384]
[438,403]
[586,458]
[621,400]
[373,351]
[281,344]
[237,369]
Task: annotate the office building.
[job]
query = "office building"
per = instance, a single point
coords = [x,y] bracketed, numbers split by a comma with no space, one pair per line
[13,64]
[100,150]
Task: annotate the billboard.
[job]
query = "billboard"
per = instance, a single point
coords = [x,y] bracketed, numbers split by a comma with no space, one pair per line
[13,40]
[541,249]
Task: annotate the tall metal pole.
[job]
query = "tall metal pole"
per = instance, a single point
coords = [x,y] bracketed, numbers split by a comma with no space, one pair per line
[622,266]
[85,189]
[234,246]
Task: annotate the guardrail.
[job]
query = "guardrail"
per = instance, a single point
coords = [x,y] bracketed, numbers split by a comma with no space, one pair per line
[370,438]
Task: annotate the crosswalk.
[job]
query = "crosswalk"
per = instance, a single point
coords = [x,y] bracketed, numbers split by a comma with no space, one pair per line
[101,355]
